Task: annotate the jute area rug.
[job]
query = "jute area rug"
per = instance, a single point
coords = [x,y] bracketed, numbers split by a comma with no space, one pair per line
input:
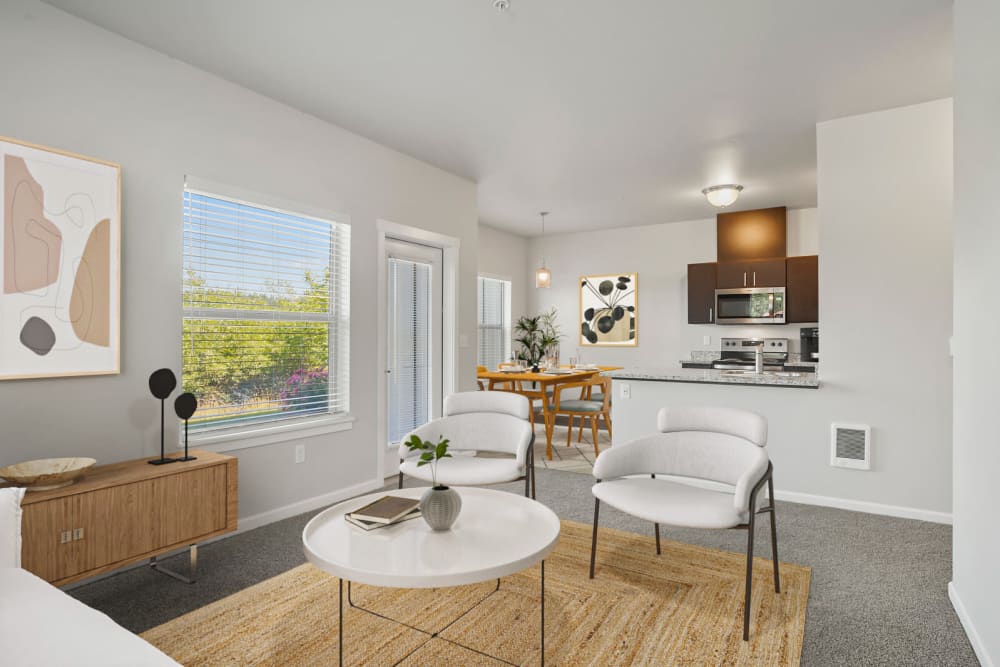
[684,607]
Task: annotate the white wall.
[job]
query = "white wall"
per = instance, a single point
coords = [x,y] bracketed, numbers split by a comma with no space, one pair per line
[660,255]
[975,585]
[885,198]
[71,85]
[505,255]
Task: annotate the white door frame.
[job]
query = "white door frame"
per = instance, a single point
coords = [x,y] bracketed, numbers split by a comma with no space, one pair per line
[449,246]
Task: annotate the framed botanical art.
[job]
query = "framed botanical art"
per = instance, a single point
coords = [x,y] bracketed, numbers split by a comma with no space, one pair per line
[60,227]
[609,310]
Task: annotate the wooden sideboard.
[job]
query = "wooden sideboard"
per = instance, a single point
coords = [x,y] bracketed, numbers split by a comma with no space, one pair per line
[126,512]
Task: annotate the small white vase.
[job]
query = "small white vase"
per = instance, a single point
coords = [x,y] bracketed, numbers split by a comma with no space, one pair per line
[440,506]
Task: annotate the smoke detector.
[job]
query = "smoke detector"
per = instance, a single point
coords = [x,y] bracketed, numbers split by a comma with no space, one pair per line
[501,5]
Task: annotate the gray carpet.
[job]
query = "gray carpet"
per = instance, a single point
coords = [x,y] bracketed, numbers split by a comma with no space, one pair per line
[878,597]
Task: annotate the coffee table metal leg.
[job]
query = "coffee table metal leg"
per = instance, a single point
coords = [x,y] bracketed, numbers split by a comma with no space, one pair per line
[340,640]
[543,612]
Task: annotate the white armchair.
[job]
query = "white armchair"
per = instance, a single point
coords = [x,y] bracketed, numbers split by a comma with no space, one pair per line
[478,421]
[716,444]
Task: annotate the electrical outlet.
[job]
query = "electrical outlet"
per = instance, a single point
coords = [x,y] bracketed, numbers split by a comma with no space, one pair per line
[625,391]
[78,534]
[300,453]
[65,536]
[706,340]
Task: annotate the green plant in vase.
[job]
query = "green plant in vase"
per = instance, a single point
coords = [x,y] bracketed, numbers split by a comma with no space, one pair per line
[430,453]
[439,505]
[536,336]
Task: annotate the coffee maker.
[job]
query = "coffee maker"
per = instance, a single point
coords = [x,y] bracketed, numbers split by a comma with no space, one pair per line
[809,339]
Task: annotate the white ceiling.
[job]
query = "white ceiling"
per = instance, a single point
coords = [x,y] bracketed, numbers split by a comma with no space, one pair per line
[608,113]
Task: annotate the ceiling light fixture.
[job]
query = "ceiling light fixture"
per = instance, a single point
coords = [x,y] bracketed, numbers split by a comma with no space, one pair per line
[543,277]
[722,196]
[501,5]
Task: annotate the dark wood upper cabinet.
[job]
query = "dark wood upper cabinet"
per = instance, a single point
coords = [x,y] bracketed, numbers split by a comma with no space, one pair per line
[751,235]
[701,293]
[757,273]
[802,289]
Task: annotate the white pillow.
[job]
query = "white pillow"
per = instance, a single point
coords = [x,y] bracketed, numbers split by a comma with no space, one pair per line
[10,527]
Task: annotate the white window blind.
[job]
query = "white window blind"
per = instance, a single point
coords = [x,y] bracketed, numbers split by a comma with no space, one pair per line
[410,346]
[494,321]
[266,312]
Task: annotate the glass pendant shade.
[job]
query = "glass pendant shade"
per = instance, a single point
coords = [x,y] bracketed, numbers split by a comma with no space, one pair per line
[543,278]
[721,196]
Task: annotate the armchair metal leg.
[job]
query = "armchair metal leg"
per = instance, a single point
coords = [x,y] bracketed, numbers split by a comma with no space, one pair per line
[774,535]
[749,585]
[593,543]
[534,471]
[656,526]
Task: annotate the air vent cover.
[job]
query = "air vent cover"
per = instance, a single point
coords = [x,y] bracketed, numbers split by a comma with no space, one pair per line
[851,446]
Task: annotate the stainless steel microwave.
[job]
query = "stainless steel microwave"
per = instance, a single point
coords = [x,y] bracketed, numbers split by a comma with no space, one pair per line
[750,305]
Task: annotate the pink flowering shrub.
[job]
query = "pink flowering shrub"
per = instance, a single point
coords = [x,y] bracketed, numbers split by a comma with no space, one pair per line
[305,390]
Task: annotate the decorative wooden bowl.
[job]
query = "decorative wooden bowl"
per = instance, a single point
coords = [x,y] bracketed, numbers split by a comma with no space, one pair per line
[45,474]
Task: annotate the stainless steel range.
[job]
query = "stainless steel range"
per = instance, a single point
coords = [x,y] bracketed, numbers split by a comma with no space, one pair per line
[740,353]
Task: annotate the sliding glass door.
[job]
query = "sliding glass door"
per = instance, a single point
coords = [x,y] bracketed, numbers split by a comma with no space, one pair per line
[414,340]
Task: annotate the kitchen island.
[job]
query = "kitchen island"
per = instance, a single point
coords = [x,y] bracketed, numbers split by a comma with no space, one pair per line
[639,393]
[714,376]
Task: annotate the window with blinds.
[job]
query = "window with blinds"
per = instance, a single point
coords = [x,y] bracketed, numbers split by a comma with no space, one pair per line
[266,313]
[494,321]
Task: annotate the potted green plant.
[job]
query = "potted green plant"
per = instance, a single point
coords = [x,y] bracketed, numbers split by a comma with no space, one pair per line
[536,336]
[440,504]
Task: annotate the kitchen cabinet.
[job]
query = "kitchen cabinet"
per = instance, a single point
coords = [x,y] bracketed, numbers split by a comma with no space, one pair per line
[701,293]
[751,235]
[802,289]
[756,273]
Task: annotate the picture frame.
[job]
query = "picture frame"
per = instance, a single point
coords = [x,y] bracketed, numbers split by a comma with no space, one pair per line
[60,263]
[609,310]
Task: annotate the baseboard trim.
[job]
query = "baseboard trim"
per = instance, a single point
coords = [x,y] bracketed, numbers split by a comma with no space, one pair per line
[307,505]
[865,506]
[838,503]
[970,630]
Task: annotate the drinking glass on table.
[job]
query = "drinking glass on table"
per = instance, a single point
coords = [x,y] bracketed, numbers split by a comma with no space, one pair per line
[572,362]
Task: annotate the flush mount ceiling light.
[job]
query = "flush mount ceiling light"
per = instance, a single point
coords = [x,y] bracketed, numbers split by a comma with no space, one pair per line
[721,196]
[543,277]
[501,5]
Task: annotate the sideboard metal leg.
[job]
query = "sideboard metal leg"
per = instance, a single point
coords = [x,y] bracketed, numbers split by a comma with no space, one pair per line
[192,567]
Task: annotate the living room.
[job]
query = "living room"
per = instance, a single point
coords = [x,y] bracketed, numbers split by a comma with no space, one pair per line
[452,127]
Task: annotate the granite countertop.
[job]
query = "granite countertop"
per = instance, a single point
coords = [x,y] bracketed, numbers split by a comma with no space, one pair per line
[711,376]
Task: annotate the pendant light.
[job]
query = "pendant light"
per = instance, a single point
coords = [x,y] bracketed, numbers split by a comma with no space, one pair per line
[543,277]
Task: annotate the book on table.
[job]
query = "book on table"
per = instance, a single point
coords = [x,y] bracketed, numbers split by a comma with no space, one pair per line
[371,525]
[385,510]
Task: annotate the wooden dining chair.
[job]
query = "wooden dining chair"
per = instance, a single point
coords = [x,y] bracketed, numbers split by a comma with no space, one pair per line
[583,407]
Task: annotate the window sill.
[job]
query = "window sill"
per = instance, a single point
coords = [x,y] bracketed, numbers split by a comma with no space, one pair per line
[307,427]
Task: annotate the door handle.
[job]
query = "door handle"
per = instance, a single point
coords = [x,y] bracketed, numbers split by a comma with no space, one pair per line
[710,315]
[754,278]
[744,278]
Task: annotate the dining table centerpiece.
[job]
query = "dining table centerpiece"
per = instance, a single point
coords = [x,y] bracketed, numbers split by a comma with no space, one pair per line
[537,337]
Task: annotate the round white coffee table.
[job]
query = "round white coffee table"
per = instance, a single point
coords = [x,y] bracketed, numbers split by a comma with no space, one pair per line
[496,534]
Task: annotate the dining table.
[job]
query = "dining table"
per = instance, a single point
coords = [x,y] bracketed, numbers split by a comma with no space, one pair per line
[539,383]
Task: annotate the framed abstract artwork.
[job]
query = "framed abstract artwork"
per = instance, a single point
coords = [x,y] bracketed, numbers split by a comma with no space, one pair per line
[609,310]
[60,228]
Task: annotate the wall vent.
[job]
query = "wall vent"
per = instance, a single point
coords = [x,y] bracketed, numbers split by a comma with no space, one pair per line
[851,446]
